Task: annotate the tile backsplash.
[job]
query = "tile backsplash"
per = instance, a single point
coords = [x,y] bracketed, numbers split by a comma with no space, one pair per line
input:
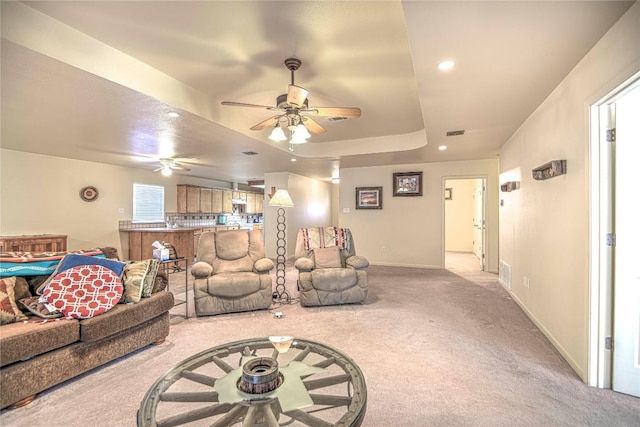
[193,220]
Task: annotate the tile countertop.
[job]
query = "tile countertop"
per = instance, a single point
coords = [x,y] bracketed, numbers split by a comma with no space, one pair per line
[173,229]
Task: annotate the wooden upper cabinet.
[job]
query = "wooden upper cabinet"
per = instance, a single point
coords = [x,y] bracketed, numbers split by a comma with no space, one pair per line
[251,203]
[206,200]
[227,205]
[217,201]
[182,198]
[259,202]
[193,199]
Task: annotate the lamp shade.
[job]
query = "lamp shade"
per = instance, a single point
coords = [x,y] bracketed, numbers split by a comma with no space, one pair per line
[277,134]
[281,199]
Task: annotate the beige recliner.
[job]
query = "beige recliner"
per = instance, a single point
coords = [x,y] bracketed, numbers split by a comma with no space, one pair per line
[329,271]
[231,273]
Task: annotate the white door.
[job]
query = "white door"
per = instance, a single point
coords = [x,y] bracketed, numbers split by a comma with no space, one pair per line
[626,285]
[478,221]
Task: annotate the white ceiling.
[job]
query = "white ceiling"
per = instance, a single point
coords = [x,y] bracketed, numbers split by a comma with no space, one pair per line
[94,80]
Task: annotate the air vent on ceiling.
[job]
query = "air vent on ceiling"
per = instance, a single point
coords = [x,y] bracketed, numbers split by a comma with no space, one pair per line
[336,119]
[249,153]
[455,132]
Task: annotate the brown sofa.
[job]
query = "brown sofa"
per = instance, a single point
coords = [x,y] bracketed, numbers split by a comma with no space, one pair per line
[36,355]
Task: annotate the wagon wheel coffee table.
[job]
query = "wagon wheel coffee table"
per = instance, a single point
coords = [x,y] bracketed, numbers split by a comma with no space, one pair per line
[274,381]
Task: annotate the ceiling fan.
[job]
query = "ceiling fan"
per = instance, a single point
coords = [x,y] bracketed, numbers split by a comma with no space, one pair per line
[168,165]
[294,112]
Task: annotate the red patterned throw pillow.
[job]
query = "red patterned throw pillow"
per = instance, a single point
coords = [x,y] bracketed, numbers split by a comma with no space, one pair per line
[84,291]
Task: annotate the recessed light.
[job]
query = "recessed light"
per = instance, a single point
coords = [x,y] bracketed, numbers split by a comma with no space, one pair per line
[294,160]
[446,65]
[173,114]
[442,147]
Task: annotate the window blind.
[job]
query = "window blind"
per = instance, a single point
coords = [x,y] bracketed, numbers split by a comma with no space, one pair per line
[148,203]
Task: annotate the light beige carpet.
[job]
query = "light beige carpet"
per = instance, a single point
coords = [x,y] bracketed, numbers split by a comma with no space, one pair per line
[436,349]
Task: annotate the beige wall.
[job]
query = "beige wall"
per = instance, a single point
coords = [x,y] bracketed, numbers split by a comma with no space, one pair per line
[544,226]
[459,212]
[312,208]
[409,231]
[40,195]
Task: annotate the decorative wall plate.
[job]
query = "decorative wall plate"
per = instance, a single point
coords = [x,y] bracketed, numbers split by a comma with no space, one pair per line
[89,194]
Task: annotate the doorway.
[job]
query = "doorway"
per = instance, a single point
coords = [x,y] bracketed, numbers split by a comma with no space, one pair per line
[614,357]
[464,224]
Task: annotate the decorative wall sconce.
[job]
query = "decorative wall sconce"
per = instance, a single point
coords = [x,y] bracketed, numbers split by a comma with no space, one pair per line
[550,170]
[508,187]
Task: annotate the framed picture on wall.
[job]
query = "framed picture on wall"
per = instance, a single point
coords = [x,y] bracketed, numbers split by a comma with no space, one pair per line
[407,184]
[368,197]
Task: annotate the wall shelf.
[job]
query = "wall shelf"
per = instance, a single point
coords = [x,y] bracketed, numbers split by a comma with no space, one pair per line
[550,170]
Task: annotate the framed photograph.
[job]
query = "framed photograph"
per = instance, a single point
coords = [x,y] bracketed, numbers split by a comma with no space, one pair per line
[368,197]
[448,193]
[407,184]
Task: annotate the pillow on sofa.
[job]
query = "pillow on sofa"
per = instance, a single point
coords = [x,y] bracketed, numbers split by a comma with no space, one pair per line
[9,311]
[133,277]
[150,278]
[84,291]
[327,257]
[40,309]
[73,260]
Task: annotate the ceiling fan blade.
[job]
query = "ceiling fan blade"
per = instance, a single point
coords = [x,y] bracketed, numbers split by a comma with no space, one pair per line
[242,104]
[349,112]
[313,126]
[158,169]
[179,167]
[296,95]
[269,122]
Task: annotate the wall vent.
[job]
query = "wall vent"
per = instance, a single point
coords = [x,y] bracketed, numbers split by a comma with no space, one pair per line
[504,274]
[249,153]
[455,132]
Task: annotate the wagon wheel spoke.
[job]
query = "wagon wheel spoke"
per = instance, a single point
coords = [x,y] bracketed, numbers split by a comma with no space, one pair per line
[200,396]
[199,378]
[222,364]
[326,382]
[304,353]
[308,419]
[195,415]
[231,417]
[330,400]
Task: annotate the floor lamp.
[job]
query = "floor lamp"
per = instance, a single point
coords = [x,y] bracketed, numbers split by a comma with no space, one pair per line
[281,200]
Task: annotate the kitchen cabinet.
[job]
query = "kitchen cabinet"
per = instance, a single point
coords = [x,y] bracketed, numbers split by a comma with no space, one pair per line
[217,201]
[193,199]
[206,200]
[251,203]
[34,243]
[188,199]
[196,199]
[227,205]
[259,202]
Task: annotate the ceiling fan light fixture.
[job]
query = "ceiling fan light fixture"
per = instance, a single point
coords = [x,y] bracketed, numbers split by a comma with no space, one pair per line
[166,170]
[277,134]
[301,132]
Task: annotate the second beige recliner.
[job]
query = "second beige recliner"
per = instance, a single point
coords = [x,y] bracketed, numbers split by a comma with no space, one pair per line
[329,271]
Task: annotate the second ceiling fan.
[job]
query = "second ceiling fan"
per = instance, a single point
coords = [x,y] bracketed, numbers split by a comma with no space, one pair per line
[294,112]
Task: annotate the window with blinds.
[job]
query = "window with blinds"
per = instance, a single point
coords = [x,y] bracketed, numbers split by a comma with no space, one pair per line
[148,203]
